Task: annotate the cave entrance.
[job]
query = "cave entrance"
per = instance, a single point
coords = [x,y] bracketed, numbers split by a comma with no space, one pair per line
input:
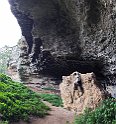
[10,31]
[58,67]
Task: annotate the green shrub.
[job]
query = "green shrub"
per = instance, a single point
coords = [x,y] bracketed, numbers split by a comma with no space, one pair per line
[55,100]
[3,122]
[18,102]
[104,114]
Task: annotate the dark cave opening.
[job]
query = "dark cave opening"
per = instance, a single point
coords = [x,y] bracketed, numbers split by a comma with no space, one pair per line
[58,67]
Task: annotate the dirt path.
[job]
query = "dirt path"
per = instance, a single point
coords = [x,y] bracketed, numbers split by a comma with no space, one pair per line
[57,115]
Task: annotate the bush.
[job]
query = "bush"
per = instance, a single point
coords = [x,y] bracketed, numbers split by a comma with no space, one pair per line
[104,114]
[18,102]
[3,122]
[55,100]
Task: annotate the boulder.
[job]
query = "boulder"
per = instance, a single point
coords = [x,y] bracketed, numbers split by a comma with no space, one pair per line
[80,91]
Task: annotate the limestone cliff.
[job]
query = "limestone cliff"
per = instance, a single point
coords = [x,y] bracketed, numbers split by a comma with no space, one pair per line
[68,35]
[23,62]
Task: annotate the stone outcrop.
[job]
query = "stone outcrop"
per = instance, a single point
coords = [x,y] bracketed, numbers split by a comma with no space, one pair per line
[111,90]
[75,34]
[81,91]
[23,62]
[26,70]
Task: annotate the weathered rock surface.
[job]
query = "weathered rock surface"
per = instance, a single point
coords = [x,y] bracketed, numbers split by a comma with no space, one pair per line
[23,62]
[80,91]
[29,72]
[111,90]
[75,35]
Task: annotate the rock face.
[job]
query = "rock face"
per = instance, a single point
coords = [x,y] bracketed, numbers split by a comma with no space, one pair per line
[23,62]
[26,67]
[74,35]
[111,90]
[80,91]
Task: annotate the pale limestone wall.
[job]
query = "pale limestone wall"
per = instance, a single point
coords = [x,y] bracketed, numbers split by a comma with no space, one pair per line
[76,99]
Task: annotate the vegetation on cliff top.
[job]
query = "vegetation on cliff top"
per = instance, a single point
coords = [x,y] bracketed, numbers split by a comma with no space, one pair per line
[18,102]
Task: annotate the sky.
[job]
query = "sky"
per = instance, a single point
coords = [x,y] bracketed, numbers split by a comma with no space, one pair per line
[10,31]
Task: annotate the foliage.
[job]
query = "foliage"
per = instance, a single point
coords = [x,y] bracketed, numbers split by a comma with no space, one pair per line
[5,54]
[104,114]
[55,100]
[18,102]
[3,122]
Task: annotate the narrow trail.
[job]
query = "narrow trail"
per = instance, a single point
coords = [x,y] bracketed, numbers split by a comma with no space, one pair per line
[57,115]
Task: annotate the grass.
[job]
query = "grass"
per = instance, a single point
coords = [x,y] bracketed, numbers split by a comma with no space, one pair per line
[17,102]
[48,88]
[55,100]
[104,114]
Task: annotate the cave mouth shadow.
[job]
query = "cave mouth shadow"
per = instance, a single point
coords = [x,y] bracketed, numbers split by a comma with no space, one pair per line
[64,67]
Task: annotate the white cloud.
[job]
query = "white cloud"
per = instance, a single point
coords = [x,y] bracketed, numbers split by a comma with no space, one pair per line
[10,31]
